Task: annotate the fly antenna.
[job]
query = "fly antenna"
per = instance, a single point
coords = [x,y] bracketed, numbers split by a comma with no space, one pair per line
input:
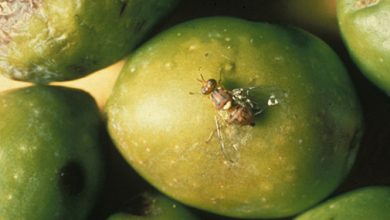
[201,79]
[193,93]
[220,76]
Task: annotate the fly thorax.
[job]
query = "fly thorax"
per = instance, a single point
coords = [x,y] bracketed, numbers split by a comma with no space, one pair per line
[220,97]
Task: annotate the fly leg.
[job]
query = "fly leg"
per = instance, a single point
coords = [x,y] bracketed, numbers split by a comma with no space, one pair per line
[210,136]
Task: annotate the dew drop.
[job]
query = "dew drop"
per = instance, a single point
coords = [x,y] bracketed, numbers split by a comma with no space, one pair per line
[278,58]
[272,100]
[214,35]
[228,67]
[168,65]
[36,112]
[23,148]
[192,47]
[10,196]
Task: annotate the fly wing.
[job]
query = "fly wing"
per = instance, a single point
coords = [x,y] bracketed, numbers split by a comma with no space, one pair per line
[231,137]
[258,98]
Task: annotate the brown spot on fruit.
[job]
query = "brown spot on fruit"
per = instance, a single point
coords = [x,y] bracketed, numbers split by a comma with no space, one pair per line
[366,3]
[72,179]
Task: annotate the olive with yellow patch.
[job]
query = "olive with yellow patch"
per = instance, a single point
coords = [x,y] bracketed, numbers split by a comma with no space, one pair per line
[297,152]
[55,40]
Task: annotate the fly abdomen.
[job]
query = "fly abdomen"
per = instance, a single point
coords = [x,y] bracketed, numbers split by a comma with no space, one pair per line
[241,115]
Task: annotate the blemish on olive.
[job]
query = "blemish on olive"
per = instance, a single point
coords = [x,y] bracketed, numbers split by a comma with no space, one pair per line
[140,205]
[72,179]
[355,140]
[123,7]
[366,3]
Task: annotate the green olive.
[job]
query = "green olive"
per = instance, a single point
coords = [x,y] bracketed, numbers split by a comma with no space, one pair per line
[360,204]
[51,161]
[306,131]
[56,40]
[364,26]
[157,207]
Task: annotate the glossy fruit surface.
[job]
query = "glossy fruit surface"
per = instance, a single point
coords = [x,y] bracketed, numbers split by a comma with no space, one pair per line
[50,156]
[157,207]
[55,40]
[364,26]
[361,204]
[297,152]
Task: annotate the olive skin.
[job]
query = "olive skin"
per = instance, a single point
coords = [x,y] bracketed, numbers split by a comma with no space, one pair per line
[54,40]
[51,161]
[157,207]
[364,28]
[372,202]
[297,152]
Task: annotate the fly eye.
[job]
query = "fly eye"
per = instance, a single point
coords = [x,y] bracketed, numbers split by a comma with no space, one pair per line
[211,83]
[208,86]
[205,90]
